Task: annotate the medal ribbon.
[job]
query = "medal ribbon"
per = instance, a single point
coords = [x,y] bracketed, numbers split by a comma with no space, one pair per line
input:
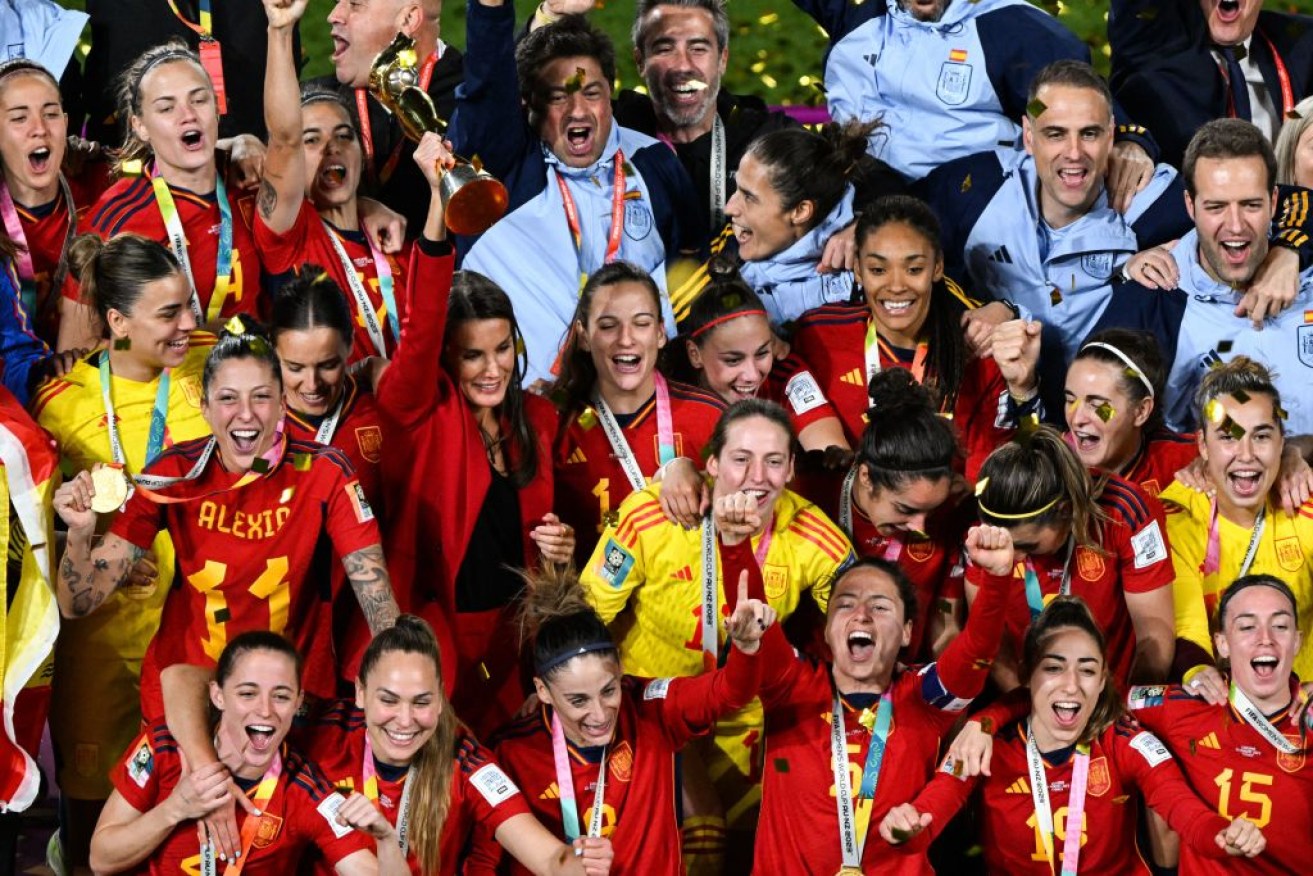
[565,785]
[150,484]
[850,844]
[711,584]
[1039,794]
[14,228]
[620,448]
[893,548]
[26,270]
[383,174]
[369,773]
[872,354]
[263,793]
[617,216]
[1256,719]
[158,415]
[1034,593]
[718,161]
[357,284]
[1212,563]
[178,244]
[328,427]
[206,27]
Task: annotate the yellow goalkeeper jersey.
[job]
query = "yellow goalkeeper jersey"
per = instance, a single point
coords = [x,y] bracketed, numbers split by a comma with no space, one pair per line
[1285,550]
[646,576]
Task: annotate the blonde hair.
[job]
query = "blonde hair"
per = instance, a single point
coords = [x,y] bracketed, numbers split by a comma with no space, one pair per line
[1288,140]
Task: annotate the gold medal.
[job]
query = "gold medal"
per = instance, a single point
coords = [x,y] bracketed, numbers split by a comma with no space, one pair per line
[111,489]
[610,519]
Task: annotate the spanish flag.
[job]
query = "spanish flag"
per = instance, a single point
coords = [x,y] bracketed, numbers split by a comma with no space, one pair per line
[29,618]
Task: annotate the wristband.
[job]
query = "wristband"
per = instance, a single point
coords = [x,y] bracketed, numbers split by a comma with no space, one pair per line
[543,16]
[1192,672]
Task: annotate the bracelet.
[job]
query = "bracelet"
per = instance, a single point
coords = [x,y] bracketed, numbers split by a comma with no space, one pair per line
[1193,671]
[543,16]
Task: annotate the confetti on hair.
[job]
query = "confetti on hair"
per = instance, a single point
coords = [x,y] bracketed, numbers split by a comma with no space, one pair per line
[1225,346]
[259,347]
[575,82]
[1105,411]
[260,465]
[1281,412]
[235,326]
[781,764]
[301,461]
[1241,396]
[123,343]
[1036,108]
[287,495]
[981,486]
[132,168]
[731,300]
[1293,114]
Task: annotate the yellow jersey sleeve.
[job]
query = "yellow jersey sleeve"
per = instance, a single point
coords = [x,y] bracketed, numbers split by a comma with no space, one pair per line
[821,551]
[1187,534]
[618,566]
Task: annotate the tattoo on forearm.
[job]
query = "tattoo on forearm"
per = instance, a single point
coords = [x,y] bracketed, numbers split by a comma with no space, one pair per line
[368,574]
[87,592]
[267,200]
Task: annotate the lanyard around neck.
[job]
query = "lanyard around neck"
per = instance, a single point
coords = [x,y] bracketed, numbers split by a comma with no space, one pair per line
[369,776]
[178,245]
[850,843]
[620,448]
[158,416]
[565,786]
[615,235]
[1039,794]
[357,284]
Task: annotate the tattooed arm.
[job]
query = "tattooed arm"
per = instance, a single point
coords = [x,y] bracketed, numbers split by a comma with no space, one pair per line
[368,574]
[282,189]
[88,575]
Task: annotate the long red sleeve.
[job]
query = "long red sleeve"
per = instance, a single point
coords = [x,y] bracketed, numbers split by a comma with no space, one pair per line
[964,665]
[691,706]
[413,384]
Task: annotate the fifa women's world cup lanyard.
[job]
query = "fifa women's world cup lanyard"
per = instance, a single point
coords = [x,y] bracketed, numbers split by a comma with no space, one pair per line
[264,792]
[158,417]
[23,259]
[1039,793]
[565,783]
[617,232]
[369,772]
[363,304]
[851,844]
[872,353]
[711,584]
[178,246]
[1256,719]
[616,436]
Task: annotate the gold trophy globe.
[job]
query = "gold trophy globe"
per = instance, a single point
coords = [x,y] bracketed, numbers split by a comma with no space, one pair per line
[473,199]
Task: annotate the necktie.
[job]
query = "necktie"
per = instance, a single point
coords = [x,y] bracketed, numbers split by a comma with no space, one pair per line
[1236,79]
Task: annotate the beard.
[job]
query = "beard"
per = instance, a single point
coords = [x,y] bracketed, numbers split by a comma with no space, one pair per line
[679,114]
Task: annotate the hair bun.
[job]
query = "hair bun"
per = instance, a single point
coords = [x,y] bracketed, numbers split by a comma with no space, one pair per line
[896,389]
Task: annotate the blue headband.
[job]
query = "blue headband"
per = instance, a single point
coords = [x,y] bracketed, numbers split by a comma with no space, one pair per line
[565,656]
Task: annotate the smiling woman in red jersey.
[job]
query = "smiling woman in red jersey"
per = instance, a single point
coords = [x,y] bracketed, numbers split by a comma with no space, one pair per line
[308,206]
[1105,542]
[467,477]
[38,204]
[150,821]
[898,501]
[420,777]
[596,758]
[178,196]
[1055,797]
[1114,411]
[731,348]
[623,424]
[911,319]
[1246,757]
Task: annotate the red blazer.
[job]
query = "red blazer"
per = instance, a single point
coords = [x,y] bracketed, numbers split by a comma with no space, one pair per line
[435,472]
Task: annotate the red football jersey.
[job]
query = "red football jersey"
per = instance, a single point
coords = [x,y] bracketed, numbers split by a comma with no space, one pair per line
[300,815]
[1159,458]
[1237,772]
[792,386]
[832,339]
[481,794]
[799,827]
[1135,559]
[933,565]
[656,719]
[247,560]
[308,240]
[590,483]
[1125,761]
[129,205]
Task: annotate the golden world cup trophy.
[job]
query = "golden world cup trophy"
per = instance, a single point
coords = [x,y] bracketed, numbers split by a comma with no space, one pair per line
[472,197]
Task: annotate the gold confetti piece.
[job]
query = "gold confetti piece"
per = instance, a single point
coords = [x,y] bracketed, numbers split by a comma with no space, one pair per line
[1234,429]
[966,184]
[1241,396]
[483,668]
[301,461]
[731,300]
[1055,296]
[768,19]
[259,347]
[1214,412]
[981,486]
[1105,412]
[132,168]
[477,163]
[1281,412]
[867,720]
[629,169]
[575,82]
[123,343]
[1036,108]
[768,80]
[235,326]
[260,465]
[900,835]
[758,67]
[1225,346]
[781,765]
[287,495]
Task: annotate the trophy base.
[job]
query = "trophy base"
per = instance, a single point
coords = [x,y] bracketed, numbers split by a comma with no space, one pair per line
[473,204]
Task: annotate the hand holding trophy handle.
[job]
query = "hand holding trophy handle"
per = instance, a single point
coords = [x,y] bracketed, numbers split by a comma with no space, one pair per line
[472,197]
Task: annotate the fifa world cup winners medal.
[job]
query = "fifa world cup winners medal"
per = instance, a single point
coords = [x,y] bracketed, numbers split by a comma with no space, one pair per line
[111,486]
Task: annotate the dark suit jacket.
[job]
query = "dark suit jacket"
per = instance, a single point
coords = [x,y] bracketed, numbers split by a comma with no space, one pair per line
[1164,73]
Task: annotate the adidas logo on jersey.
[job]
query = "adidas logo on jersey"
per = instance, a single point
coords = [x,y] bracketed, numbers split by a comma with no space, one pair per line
[552,793]
[684,574]
[854,377]
[576,457]
[1209,741]
[1001,255]
[1020,786]
[871,59]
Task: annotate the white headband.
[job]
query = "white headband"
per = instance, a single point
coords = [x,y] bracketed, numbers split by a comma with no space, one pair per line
[1135,369]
